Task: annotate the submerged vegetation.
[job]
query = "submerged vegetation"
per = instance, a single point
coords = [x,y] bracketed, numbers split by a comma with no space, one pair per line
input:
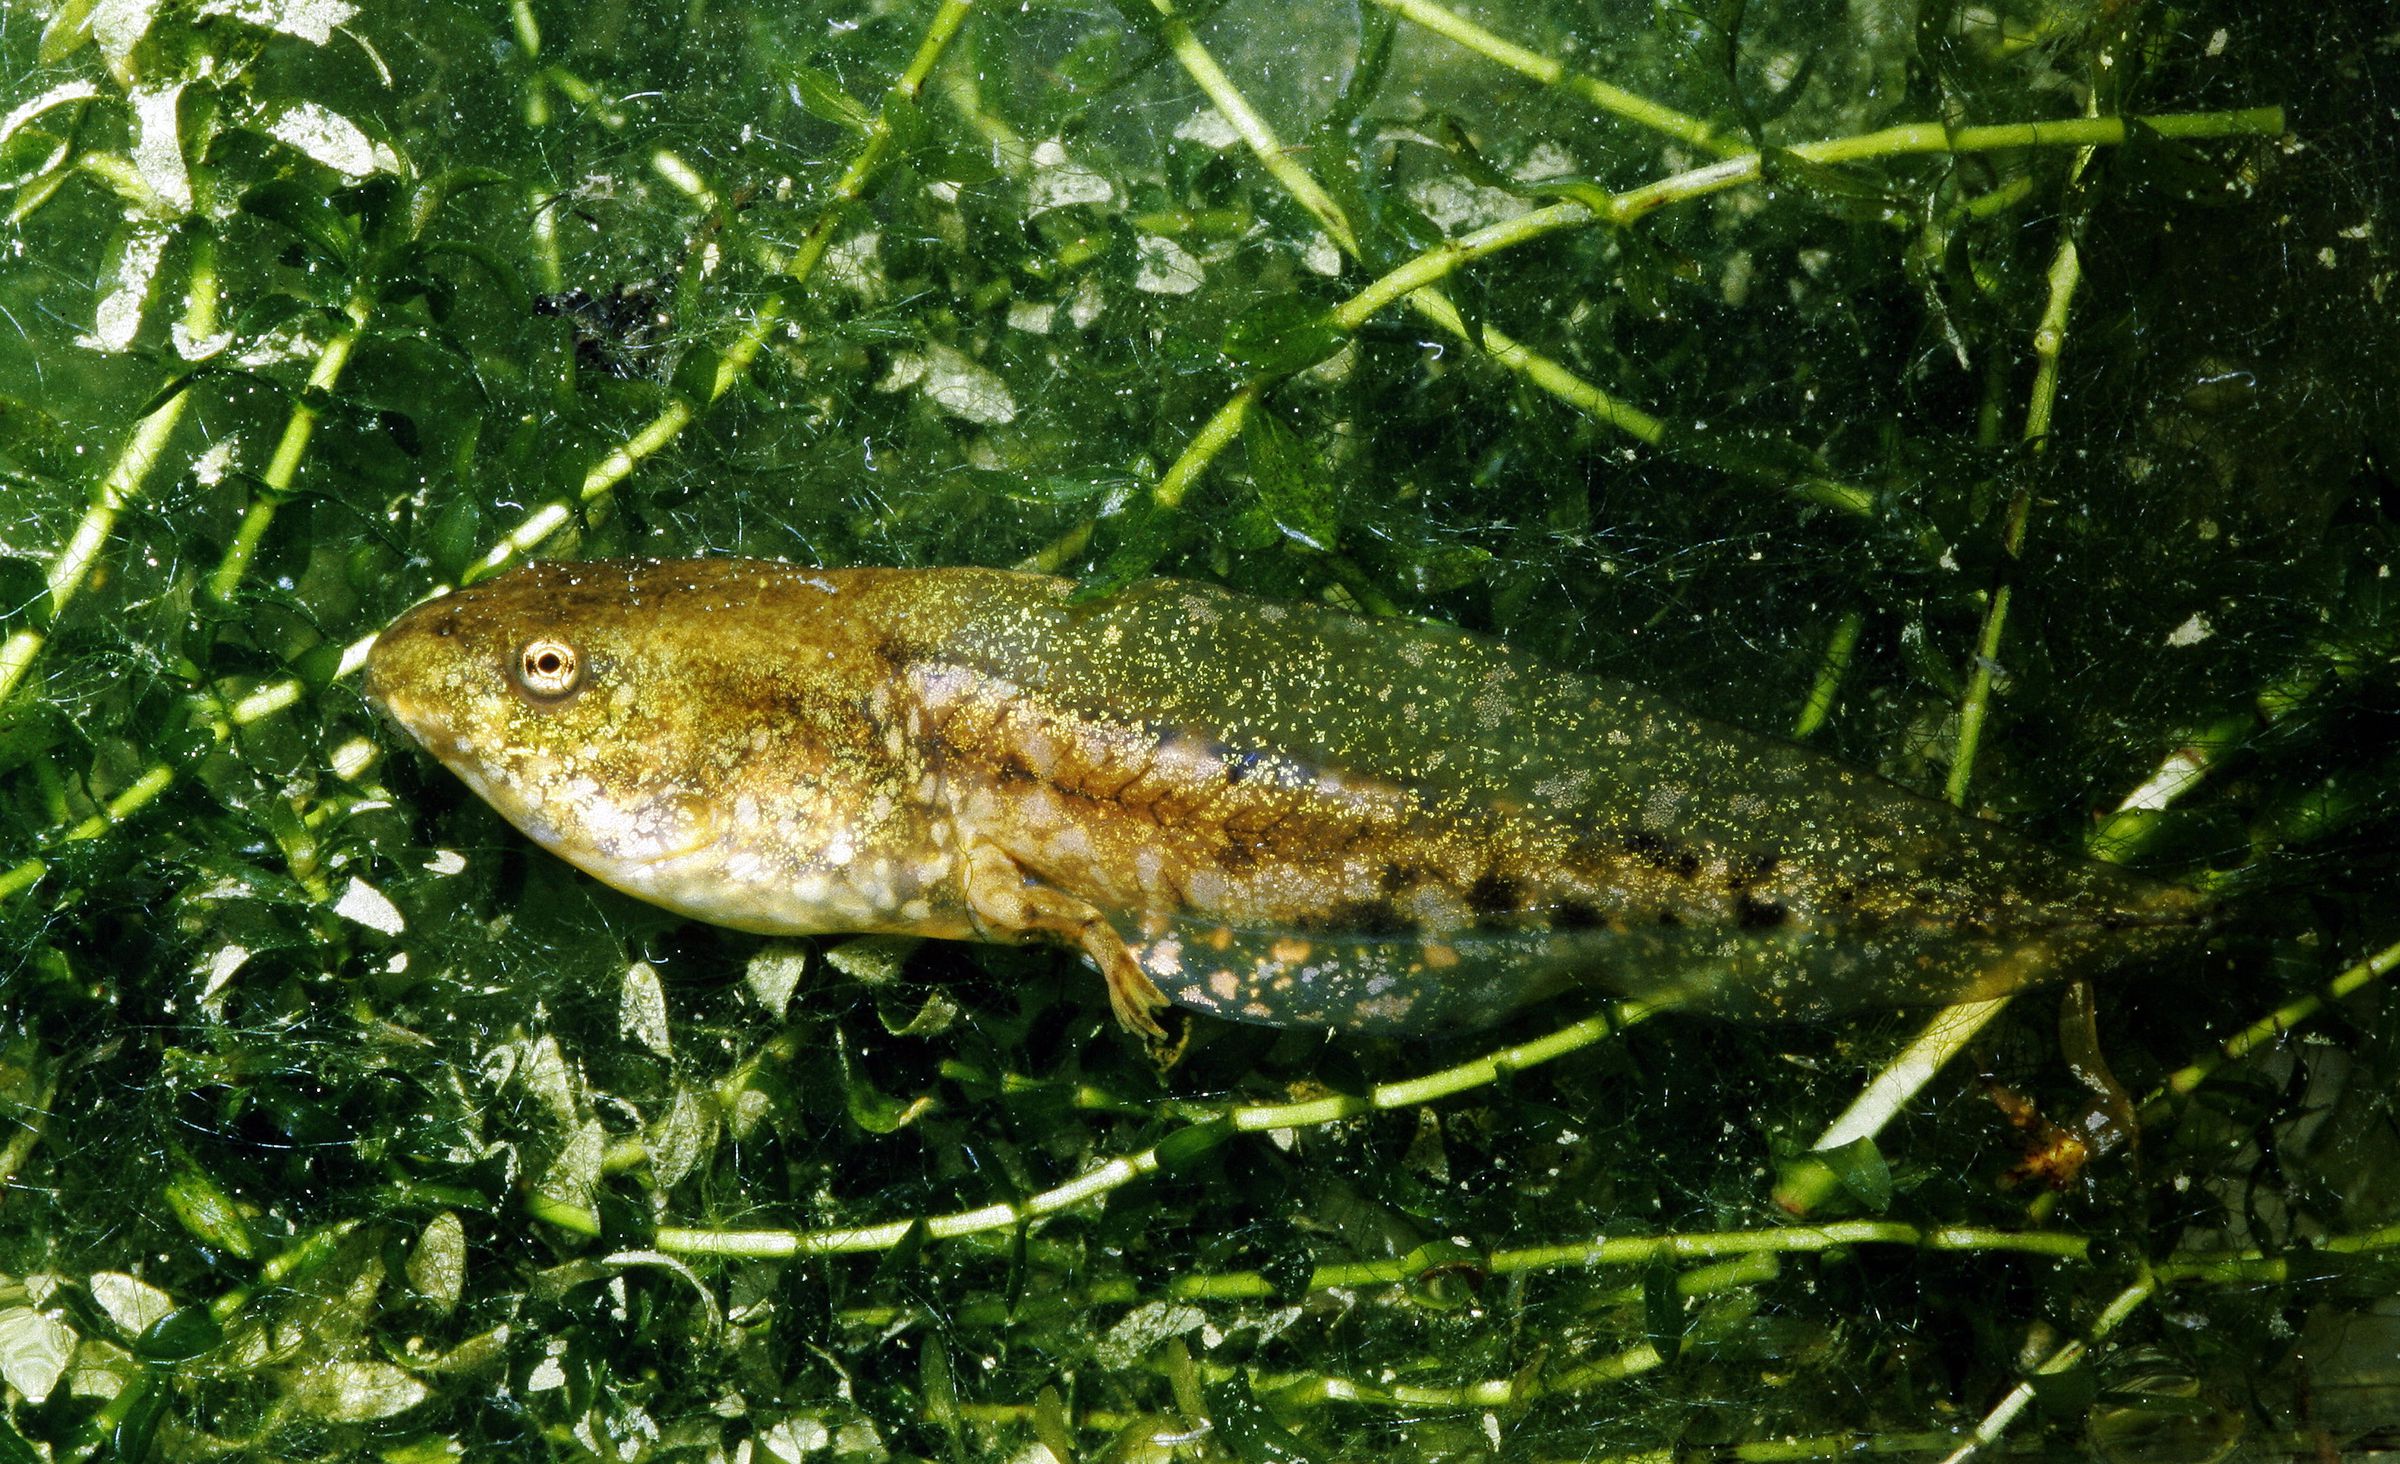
[2000,396]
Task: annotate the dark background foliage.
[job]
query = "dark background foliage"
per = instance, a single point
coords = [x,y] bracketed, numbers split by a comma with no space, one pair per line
[338,1121]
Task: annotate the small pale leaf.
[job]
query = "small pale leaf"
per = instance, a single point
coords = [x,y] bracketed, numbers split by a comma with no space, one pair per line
[642,1009]
[1143,1328]
[369,906]
[680,1139]
[357,1392]
[774,974]
[331,139]
[313,21]
[130,1302]
[34,1349]
[437,1266]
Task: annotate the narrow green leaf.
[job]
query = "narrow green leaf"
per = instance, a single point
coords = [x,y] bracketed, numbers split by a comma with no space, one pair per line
[1137,538]
[1663,1319]
[1181,1148]
[823,98]
[13,1448]
[138,1410]
[1248,1430]
[1293,486]
[182,1334]
[1861,1168]
[1844,194]
[1283,336]
[310,214]
[1056,489]
[204,1209]
[872,1109]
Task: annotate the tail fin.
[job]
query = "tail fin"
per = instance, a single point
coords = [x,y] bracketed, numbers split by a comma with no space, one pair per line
[1356,982]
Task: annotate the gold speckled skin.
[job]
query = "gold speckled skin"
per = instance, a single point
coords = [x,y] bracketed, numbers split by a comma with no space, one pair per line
[1276,813]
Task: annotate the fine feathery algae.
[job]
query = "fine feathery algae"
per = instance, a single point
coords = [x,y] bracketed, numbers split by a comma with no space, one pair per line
[1995,396]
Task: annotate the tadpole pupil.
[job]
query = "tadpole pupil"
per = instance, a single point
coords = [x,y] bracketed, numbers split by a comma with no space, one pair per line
[547,668]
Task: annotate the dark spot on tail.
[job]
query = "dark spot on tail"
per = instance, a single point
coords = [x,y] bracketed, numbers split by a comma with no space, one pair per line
[1575,915]
[1494,895]
[1756,914]
[1661,853]
[1364,917]
[1751,867]
[1398,877]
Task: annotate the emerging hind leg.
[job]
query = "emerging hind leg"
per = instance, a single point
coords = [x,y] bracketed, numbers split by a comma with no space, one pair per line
[1010,905]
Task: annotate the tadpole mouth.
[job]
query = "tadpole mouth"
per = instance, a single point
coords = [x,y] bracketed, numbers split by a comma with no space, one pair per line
[399,672]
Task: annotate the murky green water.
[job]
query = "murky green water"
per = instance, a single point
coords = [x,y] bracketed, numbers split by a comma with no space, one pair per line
[2048,467]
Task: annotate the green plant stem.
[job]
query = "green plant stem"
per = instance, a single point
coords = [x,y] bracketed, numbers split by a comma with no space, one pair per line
[2049,341]
[1730,1260]
[1545,372]
[29,1115]
[1219,432]
[1447,1083]
[908,91]
[2253,1267]
[1831,668]
[1749,1248]
[525,28]
[2129,826]
[1116,1173]
[1254,131]
[1452,255]
[119,486]
[284,467]
[1934,137]
[2202,752]
[263,702]
[1502,349]
[2271,1028]
[1242,1286]
[734,363]
[1319,1388]
[135,795]
[1804,1186]
[962,88]
[2003,1414]
[586,97]
[1272,155]
[1645,1250]
[125,479]
[1616,101]
[1620,209]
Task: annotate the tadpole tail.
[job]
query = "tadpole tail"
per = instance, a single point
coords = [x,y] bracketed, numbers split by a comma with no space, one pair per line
[2151,928]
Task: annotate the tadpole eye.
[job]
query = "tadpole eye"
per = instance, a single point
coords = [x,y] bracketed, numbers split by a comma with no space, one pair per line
[549,669]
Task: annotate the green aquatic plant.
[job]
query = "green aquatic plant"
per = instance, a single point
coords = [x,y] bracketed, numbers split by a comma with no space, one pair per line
[1999,396]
